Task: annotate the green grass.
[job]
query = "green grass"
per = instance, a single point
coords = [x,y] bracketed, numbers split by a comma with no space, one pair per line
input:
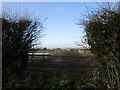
[74,51]
[85,52]
[48,51]
[58,79]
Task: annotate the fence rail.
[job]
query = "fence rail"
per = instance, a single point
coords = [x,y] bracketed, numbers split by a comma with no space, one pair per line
[38,62]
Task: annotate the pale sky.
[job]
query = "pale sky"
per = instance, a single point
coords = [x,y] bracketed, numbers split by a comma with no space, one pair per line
[61,29]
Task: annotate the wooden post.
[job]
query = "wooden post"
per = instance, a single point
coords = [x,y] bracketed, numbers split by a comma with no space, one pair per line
[32,56]
[62,59]
[62,62]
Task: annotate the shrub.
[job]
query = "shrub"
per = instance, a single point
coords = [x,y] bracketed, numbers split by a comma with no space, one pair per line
[103,35]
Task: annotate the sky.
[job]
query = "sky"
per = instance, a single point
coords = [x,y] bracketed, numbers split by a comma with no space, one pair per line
[61,29]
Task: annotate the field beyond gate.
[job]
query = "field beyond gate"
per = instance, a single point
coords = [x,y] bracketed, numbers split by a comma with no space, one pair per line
[59,61]
[63,70]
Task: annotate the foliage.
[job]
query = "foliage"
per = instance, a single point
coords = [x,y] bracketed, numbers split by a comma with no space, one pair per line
[102,29]
[18,34]
[85,52]
[58,79]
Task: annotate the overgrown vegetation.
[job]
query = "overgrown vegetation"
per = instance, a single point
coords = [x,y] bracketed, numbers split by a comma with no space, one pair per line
[51,79]
[18,33]
[102,29]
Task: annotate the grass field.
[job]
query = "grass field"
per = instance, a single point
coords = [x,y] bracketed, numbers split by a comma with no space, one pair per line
[73,73]
[65,51]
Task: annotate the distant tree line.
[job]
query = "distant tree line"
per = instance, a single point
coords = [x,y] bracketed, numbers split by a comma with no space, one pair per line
[102,29]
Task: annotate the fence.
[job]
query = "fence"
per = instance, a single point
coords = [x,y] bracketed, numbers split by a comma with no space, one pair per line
[45,62]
